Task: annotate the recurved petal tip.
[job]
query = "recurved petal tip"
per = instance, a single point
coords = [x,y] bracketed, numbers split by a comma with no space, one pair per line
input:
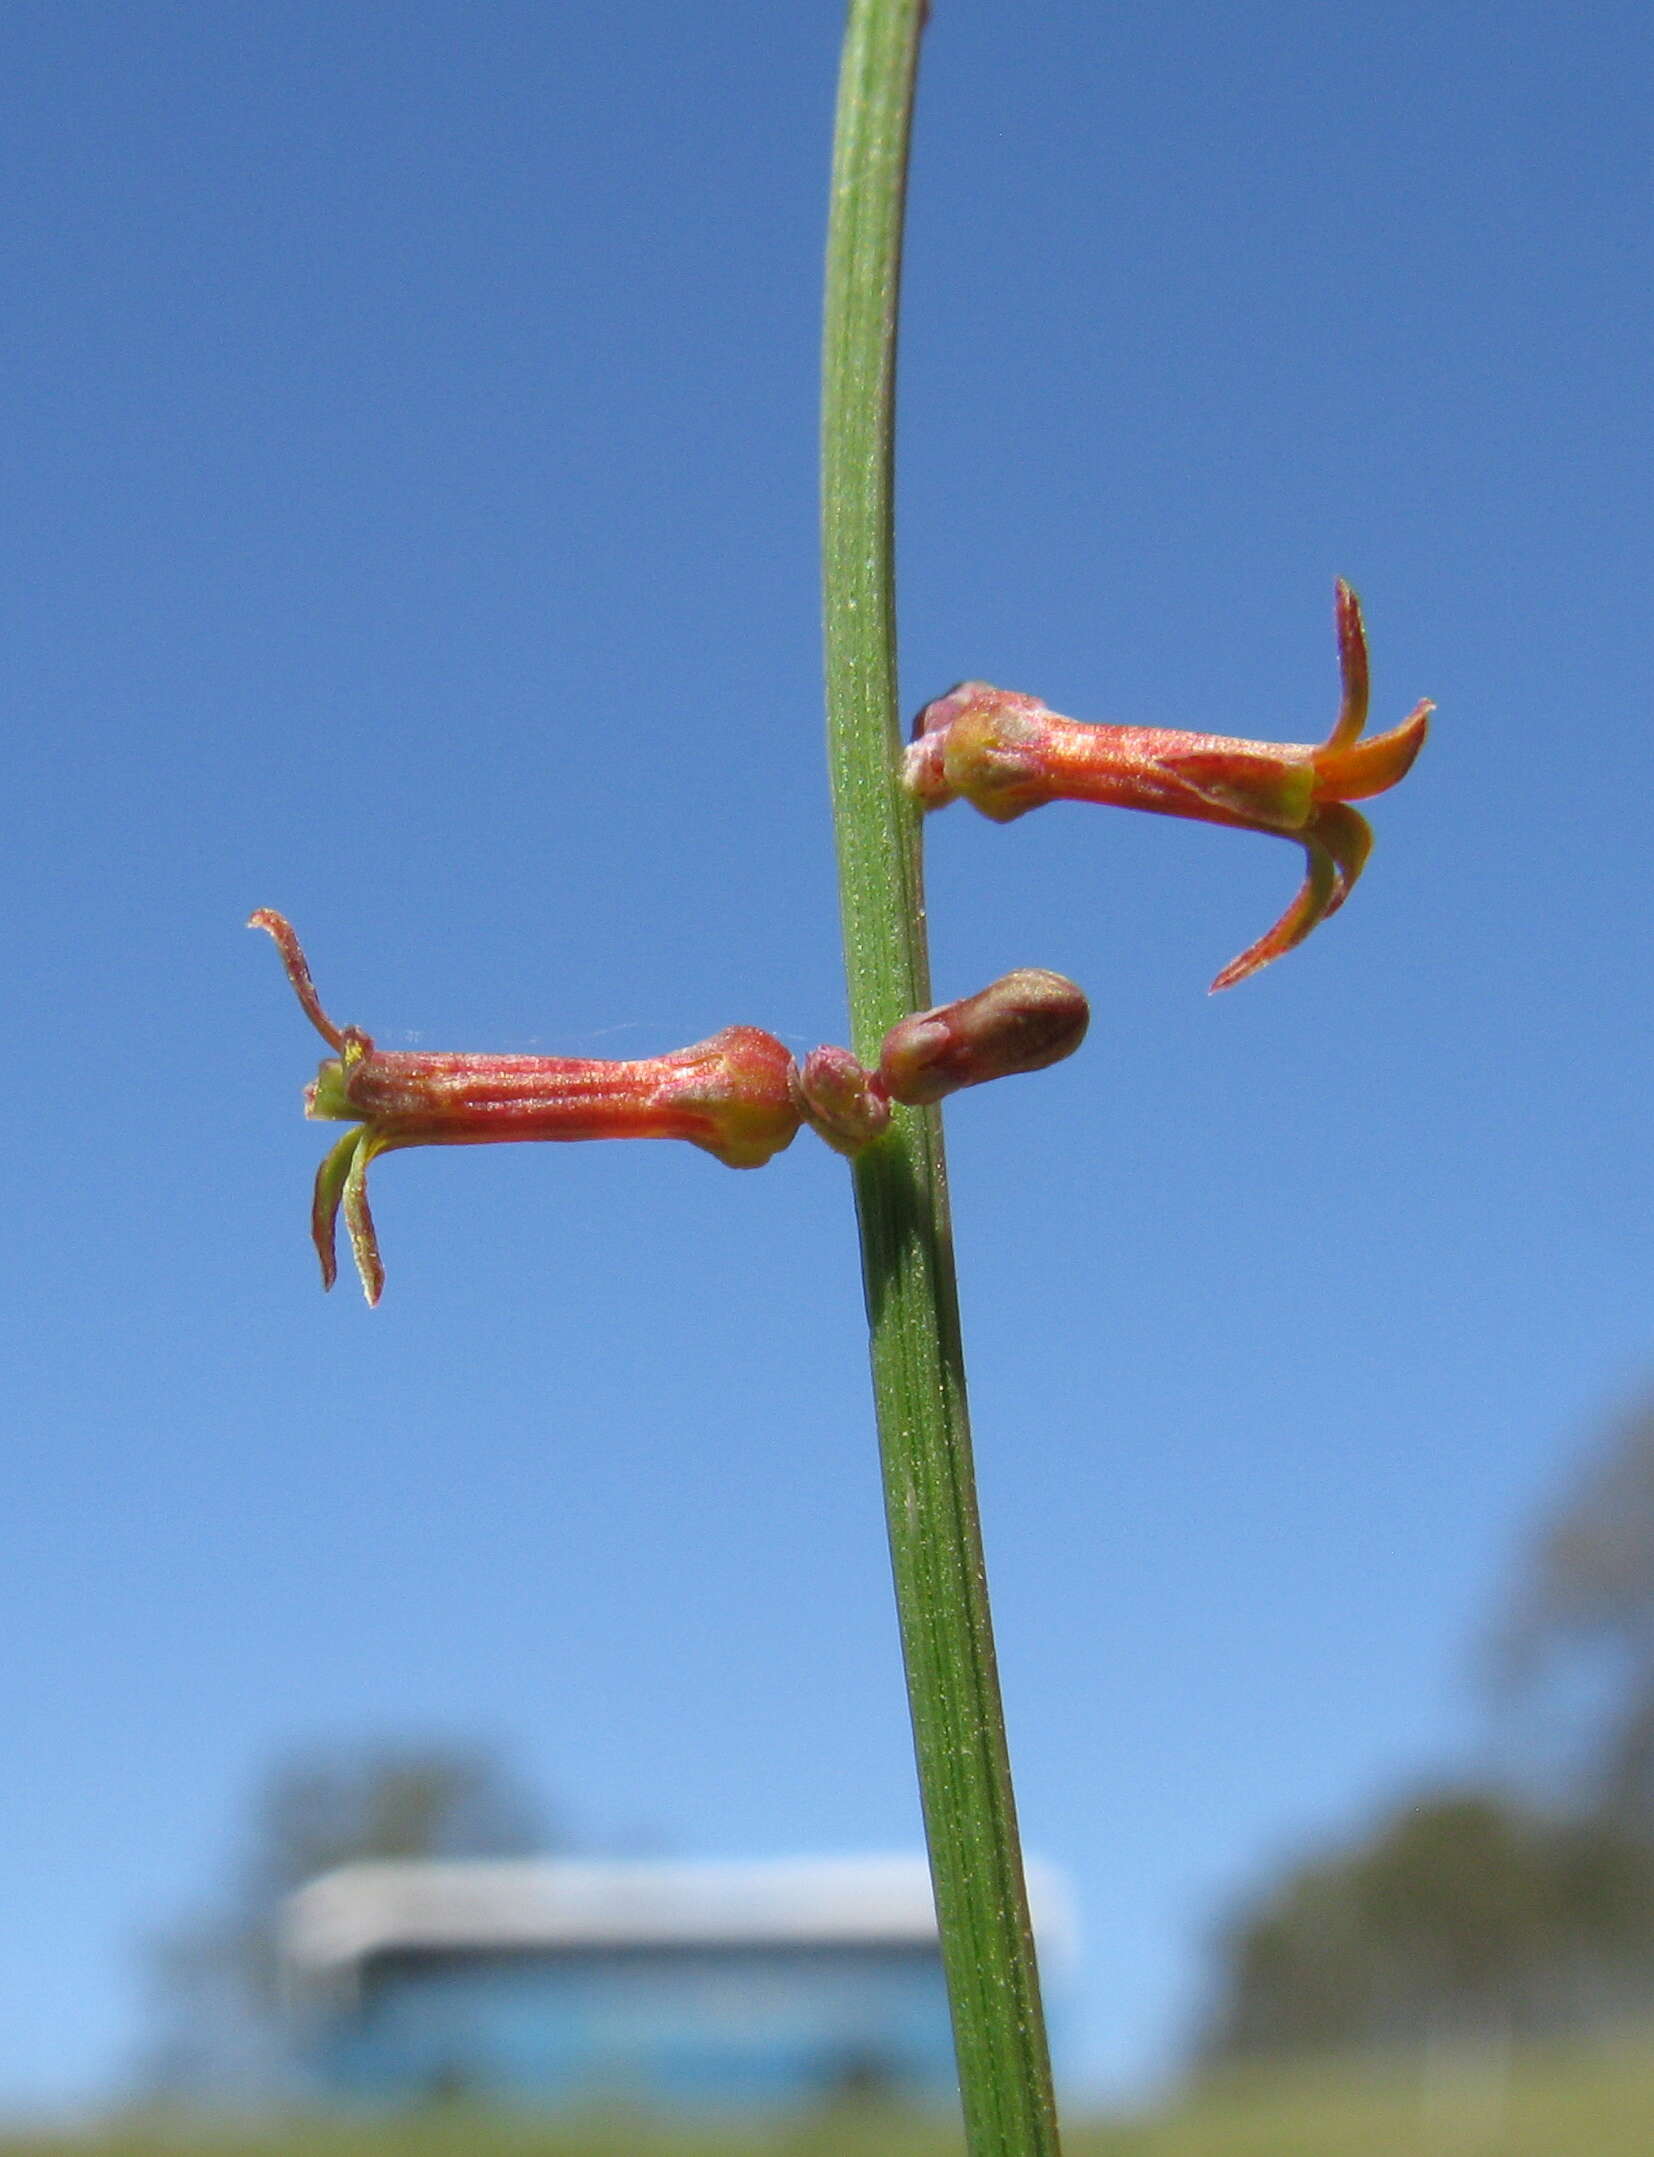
[364,1242]
[324,1206]
[1335,851]
[1363,768]
[1352,667]
[298,971]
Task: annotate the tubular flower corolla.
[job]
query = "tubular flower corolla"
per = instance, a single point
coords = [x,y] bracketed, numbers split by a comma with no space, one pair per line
[1008,753]
[731,1095]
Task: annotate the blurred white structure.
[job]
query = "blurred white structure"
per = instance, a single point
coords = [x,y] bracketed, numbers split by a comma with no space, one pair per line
[716,1987]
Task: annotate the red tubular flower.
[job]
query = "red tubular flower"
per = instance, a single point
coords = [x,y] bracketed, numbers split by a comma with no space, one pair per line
[731,1095]
[1007,754]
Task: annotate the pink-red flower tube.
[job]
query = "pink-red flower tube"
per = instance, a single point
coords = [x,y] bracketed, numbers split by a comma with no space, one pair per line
[731,1095]
[1007,753]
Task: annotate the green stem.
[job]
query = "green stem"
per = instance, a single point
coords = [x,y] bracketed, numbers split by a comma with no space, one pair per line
[901,1187]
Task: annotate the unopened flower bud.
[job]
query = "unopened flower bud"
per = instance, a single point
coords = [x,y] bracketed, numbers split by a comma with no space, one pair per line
[1022,1022]
[840,1099]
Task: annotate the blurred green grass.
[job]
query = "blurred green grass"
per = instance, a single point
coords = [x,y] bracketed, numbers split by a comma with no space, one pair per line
[1598,2103]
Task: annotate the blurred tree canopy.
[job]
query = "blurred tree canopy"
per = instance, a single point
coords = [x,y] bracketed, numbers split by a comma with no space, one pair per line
[215,1980]
[1460,1916]
[1518,1910]
[1574,1656]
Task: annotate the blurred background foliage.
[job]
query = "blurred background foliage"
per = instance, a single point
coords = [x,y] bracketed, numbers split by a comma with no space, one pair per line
[219,2035]
[1522,1909]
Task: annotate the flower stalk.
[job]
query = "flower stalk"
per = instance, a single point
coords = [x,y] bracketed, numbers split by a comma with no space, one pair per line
[900,1180]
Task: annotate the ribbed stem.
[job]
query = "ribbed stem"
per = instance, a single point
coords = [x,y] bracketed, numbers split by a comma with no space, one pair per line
[901,1190]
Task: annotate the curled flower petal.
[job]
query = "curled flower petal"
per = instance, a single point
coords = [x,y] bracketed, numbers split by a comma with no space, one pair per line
[1335,851]
[324,1207]
[298,971]
[364,1243]
[1352,667]
[1373,765]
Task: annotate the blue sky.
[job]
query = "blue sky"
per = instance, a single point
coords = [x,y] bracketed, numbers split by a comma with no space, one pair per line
[411,460]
